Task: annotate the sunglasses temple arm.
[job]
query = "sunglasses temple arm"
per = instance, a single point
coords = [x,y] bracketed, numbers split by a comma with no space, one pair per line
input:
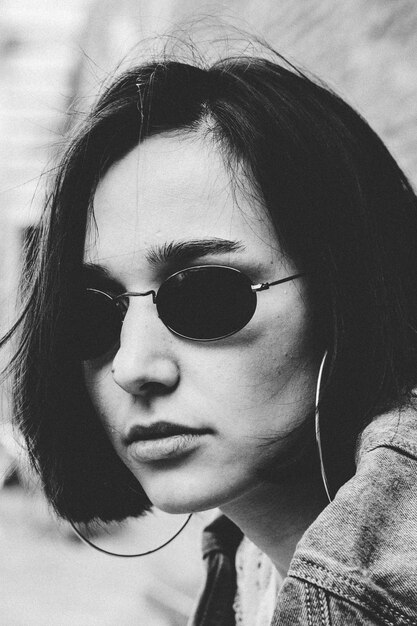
[264,286]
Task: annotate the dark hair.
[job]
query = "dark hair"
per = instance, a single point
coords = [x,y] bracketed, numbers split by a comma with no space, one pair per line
[343,211]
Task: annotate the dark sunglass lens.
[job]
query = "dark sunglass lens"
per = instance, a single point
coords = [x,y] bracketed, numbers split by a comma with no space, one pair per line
[100,324]
[207,302]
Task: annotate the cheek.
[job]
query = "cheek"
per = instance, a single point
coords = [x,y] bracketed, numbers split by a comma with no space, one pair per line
[276,365]
[101,389]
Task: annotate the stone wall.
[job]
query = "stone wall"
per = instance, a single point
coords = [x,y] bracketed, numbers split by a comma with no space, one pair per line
[365,49]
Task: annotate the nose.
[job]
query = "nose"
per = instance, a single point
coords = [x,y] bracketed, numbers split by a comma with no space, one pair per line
[145,363]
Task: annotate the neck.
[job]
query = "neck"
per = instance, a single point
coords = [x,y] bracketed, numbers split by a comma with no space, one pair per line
[274,515]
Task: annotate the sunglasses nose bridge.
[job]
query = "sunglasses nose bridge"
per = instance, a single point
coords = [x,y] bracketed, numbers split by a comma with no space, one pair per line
[134,294]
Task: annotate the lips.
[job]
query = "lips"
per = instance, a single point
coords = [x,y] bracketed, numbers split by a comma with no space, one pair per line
[161,430]
[163,441]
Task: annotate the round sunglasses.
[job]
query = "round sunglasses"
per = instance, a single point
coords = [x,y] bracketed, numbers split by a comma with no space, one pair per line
[202,303]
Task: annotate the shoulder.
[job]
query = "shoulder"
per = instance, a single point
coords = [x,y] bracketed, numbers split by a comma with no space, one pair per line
[358,560]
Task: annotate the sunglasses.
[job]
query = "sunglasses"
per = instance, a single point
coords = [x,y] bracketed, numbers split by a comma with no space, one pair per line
[202,303]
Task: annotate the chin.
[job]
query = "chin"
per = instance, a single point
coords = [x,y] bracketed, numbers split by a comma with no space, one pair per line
[177,506]
[180,490]
[180,500]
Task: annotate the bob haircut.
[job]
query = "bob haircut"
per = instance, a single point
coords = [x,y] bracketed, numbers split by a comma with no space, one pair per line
[342,209]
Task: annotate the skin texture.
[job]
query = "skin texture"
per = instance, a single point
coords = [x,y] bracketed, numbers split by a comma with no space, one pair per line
[249,390]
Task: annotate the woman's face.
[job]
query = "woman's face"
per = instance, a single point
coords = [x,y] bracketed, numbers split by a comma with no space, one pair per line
[241,395]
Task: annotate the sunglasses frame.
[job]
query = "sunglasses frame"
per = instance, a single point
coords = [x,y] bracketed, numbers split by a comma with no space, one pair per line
[151,292]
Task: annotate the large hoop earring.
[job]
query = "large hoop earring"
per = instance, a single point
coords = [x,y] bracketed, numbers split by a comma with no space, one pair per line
[317,428]
[127,556]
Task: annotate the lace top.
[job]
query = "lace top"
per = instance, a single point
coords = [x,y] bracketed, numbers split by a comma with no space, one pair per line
[258,583]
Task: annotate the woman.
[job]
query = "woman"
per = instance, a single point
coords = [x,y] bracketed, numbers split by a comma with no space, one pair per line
[221,245]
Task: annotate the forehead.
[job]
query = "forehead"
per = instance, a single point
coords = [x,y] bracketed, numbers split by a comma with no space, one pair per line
[174,188]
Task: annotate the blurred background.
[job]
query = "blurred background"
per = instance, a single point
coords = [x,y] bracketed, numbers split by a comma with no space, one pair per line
[54,56]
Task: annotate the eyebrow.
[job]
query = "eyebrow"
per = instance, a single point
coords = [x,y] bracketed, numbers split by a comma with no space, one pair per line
[170,253]
[99,272]
[184,251]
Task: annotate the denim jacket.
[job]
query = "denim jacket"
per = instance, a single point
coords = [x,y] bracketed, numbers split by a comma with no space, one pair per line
[357,563]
